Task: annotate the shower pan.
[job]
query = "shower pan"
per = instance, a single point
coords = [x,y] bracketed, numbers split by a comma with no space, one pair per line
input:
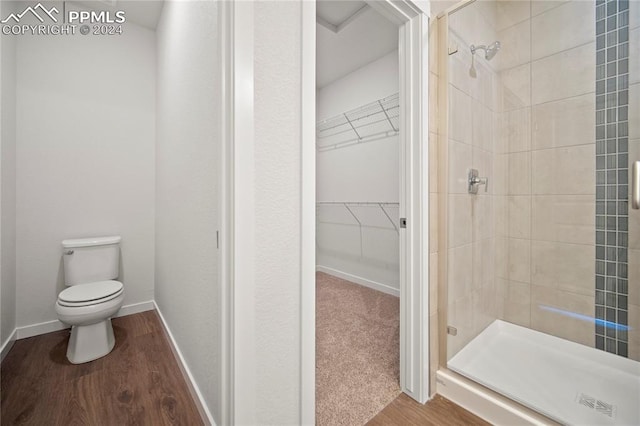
[539,272]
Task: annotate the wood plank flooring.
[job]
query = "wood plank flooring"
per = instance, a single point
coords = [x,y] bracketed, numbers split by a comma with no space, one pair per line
[437,412]
[138,383]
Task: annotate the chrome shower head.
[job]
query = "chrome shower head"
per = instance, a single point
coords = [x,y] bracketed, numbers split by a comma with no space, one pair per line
[489,51]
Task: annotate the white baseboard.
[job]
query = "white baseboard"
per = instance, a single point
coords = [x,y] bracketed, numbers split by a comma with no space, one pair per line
[359,280]
[8,344]
[193,387]
[55,325]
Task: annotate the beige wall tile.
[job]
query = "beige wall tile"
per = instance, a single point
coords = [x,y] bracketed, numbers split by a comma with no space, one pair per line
[519,208]
[501,216]
[460,220]
[516,46]
[566,74]
[519,256]
[459,65]
[634,332]
[540,6]
[634,60]
[634,111]
[515,130]
[564,326]
[482,134]
[564,123]
[499,186]
[502,258]
[569,25]
[483,162]
[563,218]
[509,13]
[433,222]
[482,221]
[517,303]
[461,317]
[459,165]
[567,267]
[514,87]
[459,116]
[460,266]
[433,282]
[569,170]
[433,162]
[634,276]
[483,263]
[433,103]
[519,177]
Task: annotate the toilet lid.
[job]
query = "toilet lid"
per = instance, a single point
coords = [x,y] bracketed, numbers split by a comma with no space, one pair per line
[91,291]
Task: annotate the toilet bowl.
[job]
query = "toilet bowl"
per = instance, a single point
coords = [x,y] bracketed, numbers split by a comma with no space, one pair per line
[92,296]
[88,308]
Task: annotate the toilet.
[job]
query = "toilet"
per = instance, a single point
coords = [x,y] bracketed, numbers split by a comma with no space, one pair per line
[92,297]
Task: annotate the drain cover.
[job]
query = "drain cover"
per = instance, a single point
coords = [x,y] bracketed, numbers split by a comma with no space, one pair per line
[596,404]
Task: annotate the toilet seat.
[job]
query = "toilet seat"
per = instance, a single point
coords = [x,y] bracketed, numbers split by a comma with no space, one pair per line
[90,294]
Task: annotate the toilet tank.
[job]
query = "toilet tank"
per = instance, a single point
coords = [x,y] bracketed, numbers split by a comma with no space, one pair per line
[88,260]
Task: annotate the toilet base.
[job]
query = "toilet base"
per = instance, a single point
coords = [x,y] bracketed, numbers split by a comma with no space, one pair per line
[90,342]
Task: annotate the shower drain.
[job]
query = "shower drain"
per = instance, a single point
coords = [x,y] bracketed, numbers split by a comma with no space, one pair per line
[596,404]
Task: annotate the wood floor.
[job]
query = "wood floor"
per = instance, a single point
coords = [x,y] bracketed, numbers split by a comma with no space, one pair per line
[437,412]
[138,383]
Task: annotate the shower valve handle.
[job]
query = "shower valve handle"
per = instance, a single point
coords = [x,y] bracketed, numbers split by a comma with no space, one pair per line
[475,181]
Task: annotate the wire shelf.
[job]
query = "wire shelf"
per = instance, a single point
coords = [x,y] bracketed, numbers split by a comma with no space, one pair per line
[373,121]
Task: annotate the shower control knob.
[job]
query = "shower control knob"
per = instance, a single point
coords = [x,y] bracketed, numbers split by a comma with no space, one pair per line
[475,181]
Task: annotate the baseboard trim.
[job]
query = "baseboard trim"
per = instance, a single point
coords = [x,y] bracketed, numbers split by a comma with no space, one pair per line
[8,344]
[191,384]
[55,325]
[359,280]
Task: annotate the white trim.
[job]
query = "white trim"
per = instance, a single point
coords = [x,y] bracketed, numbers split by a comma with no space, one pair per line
[225,254]
[359,280]
[308,216]
[494,408]
[182,363]
[241,201]
[55,325]
[8,344]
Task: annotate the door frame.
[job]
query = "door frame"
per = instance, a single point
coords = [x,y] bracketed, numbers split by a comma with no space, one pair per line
[412,19]
[237,257]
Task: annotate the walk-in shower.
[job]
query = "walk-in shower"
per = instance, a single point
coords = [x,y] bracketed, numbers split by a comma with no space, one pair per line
[539,277]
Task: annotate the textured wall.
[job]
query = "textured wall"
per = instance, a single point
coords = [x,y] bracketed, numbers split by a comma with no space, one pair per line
[8,181]
[85,158]
[277,172]
[187,186]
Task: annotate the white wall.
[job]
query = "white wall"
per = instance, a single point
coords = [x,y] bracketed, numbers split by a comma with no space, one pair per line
[277,35]
[187,187]
[85,158]
[365,172]
[8,181]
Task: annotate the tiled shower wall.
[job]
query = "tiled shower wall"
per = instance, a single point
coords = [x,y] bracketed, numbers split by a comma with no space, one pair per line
[542,195]
[474,294]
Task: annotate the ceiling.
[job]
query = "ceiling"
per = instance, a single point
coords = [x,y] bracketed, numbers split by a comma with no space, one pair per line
[349,35]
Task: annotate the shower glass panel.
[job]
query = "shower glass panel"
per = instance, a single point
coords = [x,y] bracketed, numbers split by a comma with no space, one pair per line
[543,277]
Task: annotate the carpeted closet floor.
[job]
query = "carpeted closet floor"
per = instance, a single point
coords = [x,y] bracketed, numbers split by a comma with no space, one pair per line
[357,351]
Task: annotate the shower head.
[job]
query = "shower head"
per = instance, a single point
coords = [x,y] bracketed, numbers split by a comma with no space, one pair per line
[489,51]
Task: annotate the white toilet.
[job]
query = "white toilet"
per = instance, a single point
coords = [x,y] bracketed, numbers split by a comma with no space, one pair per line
[92,296]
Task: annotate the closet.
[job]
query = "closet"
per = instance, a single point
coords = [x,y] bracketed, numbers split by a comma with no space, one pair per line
[357,213]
